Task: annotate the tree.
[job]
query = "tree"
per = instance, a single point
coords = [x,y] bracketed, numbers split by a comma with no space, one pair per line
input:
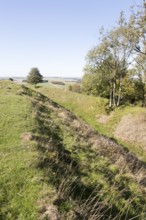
[139,25]
[112,57]
[130,91]
[34,76]
[95,80]
[140,68]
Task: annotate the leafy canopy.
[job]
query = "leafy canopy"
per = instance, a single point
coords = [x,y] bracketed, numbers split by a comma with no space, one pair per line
[34,76]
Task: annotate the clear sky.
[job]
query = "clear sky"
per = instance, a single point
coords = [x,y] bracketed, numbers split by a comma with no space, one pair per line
[53,35]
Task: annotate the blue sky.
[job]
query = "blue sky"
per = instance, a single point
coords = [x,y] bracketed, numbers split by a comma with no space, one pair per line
[53,35]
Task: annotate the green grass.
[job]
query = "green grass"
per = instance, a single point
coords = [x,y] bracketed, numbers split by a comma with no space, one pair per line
[98,173]
[84,106]
[89,108]
[58,166]
[19,178]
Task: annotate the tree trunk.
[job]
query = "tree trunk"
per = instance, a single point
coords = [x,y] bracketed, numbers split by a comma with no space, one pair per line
[120,89]
[111,92]
[114,93]
[143,96]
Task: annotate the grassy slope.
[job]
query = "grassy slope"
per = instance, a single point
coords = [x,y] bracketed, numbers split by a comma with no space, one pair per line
[59,166]
[83,176]
[102,170]
[88,108]
[19,177]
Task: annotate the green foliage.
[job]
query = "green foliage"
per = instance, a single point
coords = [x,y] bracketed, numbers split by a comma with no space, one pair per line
[129,91]
[133,89]
[108,62]
[34,76]
[95,84]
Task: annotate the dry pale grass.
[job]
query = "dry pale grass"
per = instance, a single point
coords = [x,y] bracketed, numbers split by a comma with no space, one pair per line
[49,212]
[103,118]
[103,145]
[132,128]
[26,137]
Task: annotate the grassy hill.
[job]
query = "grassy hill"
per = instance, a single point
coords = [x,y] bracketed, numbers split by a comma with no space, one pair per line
[126,124]
[56,166]
[19,176]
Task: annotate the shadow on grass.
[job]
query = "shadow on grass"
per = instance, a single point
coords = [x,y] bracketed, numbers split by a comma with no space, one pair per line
[64,171]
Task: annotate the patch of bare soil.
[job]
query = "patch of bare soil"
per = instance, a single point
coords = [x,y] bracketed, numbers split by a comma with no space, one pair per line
[132,129]
[26,137]
[103,118]
[49,212]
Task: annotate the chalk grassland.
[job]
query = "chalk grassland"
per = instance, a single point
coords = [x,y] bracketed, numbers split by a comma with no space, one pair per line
[126,124]
[55,166]
[20,183]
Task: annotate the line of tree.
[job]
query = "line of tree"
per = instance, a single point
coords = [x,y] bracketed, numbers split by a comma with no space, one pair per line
[116,67]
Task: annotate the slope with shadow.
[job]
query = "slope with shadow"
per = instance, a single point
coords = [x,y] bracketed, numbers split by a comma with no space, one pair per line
[94,177]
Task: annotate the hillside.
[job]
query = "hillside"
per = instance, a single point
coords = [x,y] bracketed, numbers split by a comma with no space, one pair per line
[56,166]
[19,176]
[126,124]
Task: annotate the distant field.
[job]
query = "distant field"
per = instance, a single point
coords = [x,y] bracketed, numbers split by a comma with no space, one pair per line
[56,83]
[50,83]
